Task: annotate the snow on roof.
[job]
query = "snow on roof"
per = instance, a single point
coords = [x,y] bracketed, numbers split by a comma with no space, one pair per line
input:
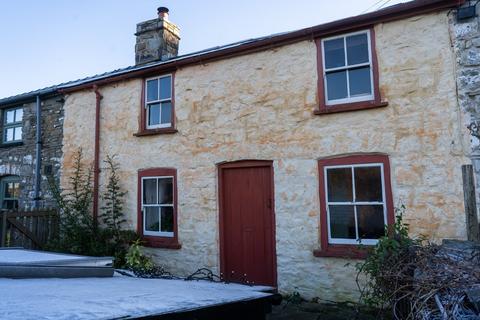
[18,256]
[107,298]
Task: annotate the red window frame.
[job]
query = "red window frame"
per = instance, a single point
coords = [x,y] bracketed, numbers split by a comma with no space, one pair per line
[377,102]
[158,241]
[142,122]
[349,250]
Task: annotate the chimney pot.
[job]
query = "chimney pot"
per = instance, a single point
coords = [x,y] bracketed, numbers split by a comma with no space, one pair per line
[163,13]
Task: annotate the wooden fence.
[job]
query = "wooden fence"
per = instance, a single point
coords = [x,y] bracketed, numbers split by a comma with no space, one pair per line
[28,229]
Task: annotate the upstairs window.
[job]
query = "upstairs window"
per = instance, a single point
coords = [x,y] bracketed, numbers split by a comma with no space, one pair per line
[347,67]
[348,73]
[158,102]
[12,125]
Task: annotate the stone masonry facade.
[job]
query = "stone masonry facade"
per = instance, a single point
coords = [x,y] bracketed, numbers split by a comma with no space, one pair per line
[465,35]
[260,106]
[18,159]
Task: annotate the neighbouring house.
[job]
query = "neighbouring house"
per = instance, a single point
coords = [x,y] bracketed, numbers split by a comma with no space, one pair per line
[30,148]
[465,40]
[270,160]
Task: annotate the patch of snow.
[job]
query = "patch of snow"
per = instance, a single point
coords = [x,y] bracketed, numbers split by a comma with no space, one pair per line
[32,257]
[107,298]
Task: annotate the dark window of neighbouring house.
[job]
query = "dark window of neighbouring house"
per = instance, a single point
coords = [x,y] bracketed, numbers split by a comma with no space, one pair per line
[10,192]
[12,125]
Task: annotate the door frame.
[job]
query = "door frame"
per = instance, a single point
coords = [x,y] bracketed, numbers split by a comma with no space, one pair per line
[221,212]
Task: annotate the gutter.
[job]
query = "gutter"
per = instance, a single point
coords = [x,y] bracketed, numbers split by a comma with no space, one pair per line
[38,153]
[96,163]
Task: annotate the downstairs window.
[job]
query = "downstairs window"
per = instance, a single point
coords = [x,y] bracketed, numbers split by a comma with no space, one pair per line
[157,204]
[356,201]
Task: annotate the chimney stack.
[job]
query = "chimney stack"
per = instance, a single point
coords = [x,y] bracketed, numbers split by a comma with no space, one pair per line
[157,39]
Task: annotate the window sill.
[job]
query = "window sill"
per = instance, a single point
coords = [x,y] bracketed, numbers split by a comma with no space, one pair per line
[161,242]
[345,107]
[151,132]
[342,251]
[11,144]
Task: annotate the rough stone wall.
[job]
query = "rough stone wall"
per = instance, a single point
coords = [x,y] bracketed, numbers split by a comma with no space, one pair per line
[261,106]
[19,159]
[465,37]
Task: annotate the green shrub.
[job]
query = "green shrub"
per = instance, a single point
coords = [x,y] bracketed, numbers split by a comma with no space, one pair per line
[116,237]
[392,255]
[79,233]
[136,260]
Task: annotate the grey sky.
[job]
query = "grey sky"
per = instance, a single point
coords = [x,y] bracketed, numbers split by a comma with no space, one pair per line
[51,41]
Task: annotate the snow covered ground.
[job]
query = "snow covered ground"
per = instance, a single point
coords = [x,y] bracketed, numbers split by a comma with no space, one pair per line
[109,298]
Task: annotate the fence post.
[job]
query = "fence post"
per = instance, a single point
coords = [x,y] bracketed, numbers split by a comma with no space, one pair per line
[3,230]
[473,228]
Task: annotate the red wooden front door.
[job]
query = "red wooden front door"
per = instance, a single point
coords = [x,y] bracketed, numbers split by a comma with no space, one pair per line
[247,222]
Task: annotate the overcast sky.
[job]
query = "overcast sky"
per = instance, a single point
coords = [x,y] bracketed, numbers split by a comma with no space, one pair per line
[47,42]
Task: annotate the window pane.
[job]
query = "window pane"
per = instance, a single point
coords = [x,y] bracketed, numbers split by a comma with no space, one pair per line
[166,112]
[339,182]
[166,88]
[368,184]
[152,221]
[16,189]
[371,223]
[18,115]
[337,85]
[154,114]
[9,190]
[167,219]
[9,134]
[334,53]
[18,133]
[165,191]
[10,204]
[10,116]
[152,90]
[342,222]
[150,191]
[360,83]
[357,49]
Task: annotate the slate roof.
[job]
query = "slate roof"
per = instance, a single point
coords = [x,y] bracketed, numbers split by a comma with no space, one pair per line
[55,88]
[398,11]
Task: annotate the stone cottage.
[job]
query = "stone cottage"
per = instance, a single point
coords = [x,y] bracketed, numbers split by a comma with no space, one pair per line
[30,148]
[270,160]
